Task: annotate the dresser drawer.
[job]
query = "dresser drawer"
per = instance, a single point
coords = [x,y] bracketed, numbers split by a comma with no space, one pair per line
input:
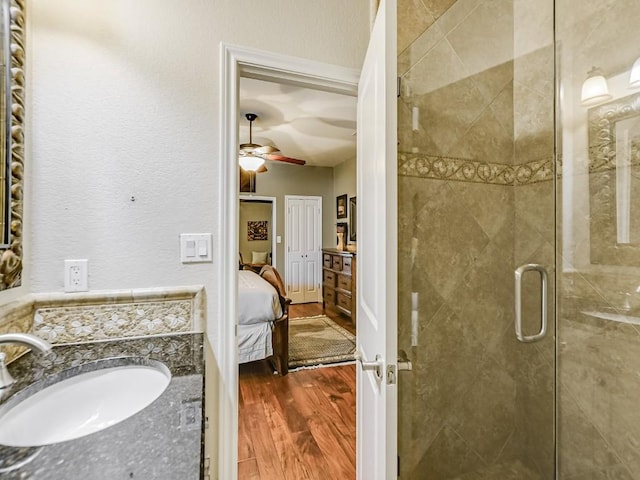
[343,301]
[329,296]
[329,278]
[336,264]
[326,260]
[344,282]
[346,265]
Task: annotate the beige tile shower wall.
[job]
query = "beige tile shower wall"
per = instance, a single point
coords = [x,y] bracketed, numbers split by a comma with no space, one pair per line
[478,404]
[533,80]
[458,82]
[599,361]
[535,362]
[462,392]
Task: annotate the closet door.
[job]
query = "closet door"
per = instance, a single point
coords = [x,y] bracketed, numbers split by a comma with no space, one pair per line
[303,236]
[312,244]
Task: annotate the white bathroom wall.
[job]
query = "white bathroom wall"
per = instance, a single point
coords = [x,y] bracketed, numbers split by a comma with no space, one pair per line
[124,125]
[123,112]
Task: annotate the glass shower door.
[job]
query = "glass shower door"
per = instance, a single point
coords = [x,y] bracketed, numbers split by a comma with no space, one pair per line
[476,201]
[599,239]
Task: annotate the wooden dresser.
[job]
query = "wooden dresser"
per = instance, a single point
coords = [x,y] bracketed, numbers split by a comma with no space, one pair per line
[339,282]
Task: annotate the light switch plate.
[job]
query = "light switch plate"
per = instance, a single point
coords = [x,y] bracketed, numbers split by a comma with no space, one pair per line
[195,247]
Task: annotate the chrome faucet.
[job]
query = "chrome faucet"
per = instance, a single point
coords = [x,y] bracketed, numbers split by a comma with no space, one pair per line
[26,339]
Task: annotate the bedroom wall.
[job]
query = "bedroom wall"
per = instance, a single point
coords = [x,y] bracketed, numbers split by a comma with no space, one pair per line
[254,211]
[283,180]
[344,181]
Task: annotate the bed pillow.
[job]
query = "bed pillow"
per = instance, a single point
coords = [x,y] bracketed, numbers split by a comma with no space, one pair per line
[259,257]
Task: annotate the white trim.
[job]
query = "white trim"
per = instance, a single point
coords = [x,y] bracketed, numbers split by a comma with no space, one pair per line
[274,224]
[233,61]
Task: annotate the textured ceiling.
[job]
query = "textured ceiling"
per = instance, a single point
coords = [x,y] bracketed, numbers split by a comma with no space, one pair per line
[311,125]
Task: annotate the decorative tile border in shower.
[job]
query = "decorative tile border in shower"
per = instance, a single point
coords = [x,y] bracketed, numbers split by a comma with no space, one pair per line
[76,318]
[473,171]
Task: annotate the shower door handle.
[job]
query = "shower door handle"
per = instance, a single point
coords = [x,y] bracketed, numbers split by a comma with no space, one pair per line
[519,273]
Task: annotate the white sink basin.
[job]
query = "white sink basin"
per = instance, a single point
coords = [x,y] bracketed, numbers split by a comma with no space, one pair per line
[81,404]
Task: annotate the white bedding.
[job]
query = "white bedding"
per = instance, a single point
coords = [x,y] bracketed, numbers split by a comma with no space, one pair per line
[254,342]
[258,301]
[258,306]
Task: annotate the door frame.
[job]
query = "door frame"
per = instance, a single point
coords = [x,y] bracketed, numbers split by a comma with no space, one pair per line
[236,62]
[287,226]
[274,212]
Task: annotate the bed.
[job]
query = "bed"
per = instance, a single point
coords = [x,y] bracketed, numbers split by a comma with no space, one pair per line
[263,318]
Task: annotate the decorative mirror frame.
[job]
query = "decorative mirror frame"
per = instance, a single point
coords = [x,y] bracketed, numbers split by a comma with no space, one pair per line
[605,249]
[11,256]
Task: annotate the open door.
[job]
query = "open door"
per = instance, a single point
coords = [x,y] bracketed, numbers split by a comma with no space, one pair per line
[377,253]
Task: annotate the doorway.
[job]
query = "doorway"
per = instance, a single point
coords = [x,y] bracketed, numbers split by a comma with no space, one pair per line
[256,231]
[237,62]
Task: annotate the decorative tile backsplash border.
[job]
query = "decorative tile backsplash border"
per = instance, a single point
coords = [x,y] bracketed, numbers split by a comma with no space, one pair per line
[101,322]
[62,318]
[473,171]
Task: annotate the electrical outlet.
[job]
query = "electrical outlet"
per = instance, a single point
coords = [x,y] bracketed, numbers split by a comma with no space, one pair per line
[76,275]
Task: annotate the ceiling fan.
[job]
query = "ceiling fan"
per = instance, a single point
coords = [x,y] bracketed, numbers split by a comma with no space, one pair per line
[252,155]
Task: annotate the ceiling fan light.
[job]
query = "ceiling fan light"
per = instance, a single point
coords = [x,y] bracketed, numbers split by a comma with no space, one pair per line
[594,88]
[251,163]
[634,78]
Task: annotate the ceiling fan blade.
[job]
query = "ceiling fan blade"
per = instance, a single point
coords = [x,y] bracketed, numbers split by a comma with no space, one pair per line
[281,158]
[266,149]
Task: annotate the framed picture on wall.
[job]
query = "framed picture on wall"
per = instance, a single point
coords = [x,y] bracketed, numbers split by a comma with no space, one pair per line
[352,219]
[341,206]
[257,230]
[247,181]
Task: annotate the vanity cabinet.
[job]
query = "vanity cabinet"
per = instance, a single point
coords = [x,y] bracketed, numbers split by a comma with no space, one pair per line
[339,282]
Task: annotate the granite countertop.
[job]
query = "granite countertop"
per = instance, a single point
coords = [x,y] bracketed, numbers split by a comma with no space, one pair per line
[163,441]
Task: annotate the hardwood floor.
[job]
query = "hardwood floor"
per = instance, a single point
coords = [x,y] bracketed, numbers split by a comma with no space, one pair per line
[298,427]
[311,309]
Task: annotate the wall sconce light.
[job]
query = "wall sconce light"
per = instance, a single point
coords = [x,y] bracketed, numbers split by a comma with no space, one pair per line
[594,88]
[250,162]
[634,78]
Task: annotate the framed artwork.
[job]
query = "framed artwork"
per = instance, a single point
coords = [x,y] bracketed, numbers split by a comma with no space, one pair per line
[352,219]
[247,181]
[257,230]
[341,206]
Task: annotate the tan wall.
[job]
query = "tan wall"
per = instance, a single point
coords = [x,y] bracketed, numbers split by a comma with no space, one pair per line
[281,180]
[254,211]
[344,181]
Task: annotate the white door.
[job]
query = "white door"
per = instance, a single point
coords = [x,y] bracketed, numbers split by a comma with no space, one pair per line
[377,253]
[303,237]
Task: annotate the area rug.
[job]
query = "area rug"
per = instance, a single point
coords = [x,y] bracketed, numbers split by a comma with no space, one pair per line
[317,341]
